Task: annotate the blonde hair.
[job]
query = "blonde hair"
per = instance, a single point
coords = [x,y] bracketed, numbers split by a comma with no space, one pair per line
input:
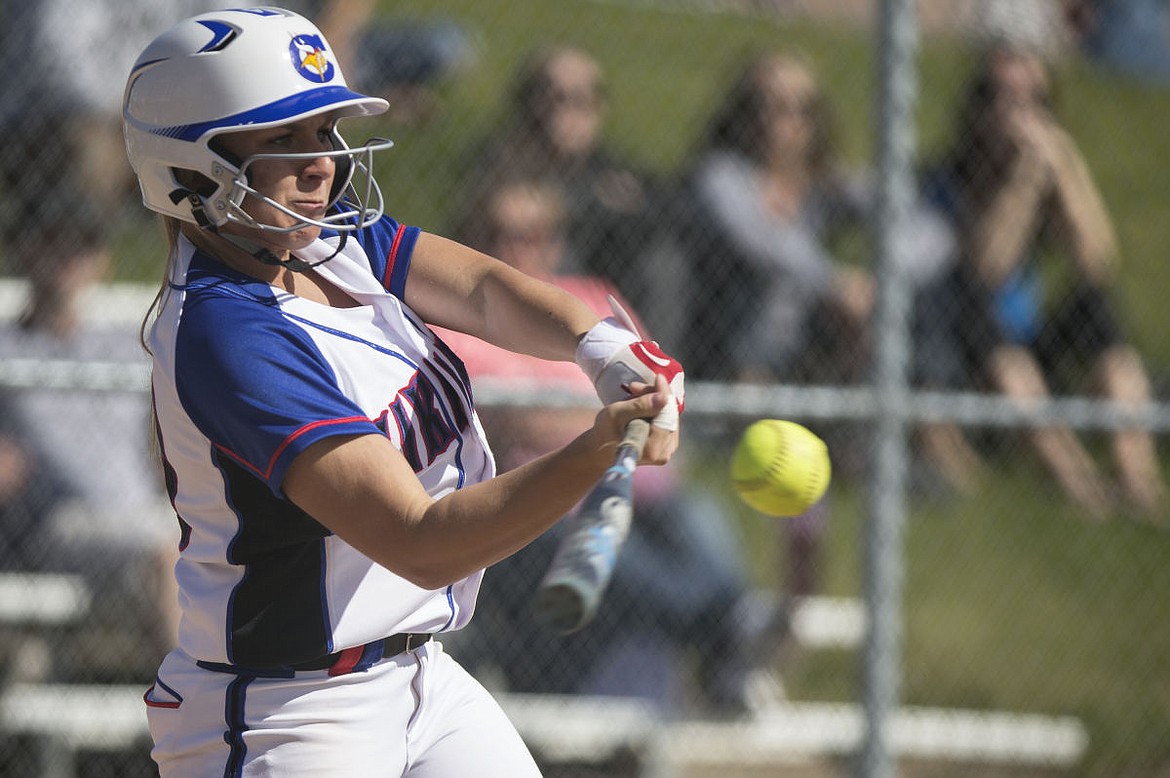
[172,228]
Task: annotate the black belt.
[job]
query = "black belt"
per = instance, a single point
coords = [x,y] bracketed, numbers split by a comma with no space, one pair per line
[391,646]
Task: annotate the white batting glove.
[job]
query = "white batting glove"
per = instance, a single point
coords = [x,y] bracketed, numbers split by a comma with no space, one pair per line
[614,356]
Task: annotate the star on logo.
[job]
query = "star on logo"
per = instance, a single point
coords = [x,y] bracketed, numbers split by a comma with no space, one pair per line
[310,59]
[315,60]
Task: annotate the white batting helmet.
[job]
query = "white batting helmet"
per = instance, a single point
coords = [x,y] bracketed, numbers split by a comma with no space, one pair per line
[233,70]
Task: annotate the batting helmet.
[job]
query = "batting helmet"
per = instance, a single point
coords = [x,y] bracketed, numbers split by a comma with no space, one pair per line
[234,70]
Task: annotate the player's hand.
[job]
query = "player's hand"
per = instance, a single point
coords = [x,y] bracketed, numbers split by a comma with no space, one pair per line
[616,359]
[640,364]
[647,402]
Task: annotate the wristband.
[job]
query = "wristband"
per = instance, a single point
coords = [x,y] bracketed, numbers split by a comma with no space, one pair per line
[613,357]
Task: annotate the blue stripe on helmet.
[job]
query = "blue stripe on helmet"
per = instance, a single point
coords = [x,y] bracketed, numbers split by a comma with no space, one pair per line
[222,32]
[286,108]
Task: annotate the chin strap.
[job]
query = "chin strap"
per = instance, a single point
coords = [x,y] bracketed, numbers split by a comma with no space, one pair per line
[293,263]
[253,249]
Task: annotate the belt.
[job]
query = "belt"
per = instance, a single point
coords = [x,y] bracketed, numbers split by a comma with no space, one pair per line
[344,661]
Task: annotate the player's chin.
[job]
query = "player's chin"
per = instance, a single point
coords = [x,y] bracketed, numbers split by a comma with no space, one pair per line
[301,237]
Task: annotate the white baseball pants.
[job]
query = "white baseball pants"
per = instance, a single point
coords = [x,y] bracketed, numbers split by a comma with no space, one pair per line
[417,714]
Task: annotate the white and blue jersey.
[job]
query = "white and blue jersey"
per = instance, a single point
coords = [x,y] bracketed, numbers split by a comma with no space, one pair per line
[246,376]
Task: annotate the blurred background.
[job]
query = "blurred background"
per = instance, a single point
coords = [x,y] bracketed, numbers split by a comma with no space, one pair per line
[911,286]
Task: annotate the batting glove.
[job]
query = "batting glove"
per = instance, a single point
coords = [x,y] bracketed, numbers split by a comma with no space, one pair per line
[614,356]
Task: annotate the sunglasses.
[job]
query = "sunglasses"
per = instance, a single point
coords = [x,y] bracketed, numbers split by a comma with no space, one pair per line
[580,98]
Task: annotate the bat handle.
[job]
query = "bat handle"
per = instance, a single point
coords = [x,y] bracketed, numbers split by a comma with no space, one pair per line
[636,434]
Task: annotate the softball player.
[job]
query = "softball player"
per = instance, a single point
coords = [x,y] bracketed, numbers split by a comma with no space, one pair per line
[336,495]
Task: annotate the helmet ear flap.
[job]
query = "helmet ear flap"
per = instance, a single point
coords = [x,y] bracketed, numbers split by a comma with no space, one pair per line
[196,189]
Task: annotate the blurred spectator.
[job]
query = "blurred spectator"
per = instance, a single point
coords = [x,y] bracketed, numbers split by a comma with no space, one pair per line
[1129,36]
[770,204]
[398,59]
[552,131]
[86,493]
[680,584]
[63,167]
[1030,296]
[771,200]
[769,191]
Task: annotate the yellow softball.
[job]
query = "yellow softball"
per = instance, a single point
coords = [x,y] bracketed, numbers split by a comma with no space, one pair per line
[779,467]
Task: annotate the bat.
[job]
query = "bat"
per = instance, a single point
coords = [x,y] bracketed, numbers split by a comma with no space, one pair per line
[579,573]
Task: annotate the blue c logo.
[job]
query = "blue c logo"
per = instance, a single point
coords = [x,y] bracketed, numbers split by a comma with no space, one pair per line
[309,58]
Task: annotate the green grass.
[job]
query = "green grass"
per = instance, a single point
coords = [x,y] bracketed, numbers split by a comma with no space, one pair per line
[1013,602]
[1010,603]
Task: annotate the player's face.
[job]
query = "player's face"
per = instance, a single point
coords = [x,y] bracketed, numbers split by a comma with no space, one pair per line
[301,185]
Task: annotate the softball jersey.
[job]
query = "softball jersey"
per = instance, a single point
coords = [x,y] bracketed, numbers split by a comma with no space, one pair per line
[246,376]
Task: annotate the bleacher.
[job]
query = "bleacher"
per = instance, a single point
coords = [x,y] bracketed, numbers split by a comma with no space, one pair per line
[63,721]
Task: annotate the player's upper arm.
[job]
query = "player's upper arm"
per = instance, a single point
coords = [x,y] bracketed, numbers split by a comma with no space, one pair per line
[446,281]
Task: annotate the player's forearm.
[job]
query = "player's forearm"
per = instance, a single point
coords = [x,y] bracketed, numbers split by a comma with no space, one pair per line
[363,490]
[478,526]
[528,316]
[453,286]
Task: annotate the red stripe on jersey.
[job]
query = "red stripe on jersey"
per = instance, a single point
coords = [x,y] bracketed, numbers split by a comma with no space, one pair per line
[151,702]
[392,257]
[266,472]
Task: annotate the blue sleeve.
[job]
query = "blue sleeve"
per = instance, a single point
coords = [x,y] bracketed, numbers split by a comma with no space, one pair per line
[389,246]
[257,386]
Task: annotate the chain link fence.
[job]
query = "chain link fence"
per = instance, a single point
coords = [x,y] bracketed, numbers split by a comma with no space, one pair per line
[932,233]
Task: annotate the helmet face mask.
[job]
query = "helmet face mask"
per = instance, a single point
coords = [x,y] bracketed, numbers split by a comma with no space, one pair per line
[232,71]
[355,201]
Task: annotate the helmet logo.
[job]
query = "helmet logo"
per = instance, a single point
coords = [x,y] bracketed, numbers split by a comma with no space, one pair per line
[309,58]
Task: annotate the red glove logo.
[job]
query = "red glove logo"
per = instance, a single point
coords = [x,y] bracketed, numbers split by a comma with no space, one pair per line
[649,354]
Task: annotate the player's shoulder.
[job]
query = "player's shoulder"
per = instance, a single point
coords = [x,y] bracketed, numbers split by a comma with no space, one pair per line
[215,292]
[224,315]
[386,246]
